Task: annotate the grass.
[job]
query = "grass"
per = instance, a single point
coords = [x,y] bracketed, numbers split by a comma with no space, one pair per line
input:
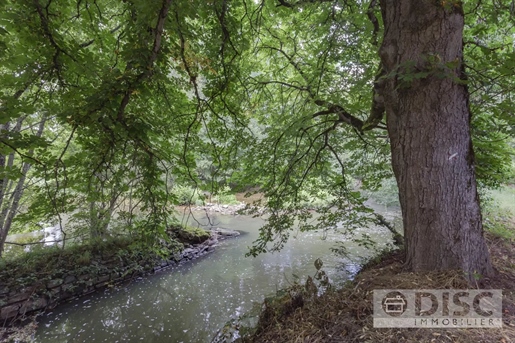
[499,213]
[50,262]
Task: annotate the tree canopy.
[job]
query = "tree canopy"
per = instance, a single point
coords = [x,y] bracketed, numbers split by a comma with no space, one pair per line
[111,103]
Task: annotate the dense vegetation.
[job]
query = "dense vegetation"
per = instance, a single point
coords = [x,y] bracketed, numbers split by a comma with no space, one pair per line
[113,113]
[109,108]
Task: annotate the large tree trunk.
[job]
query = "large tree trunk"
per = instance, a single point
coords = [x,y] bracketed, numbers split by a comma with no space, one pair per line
[429,128]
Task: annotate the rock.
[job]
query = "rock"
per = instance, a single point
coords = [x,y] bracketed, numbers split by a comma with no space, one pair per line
[189,235]
[22,294]
[103,278]
[54,293]
[84,277]
[69,279]
[33,305]
[226,232]
[9,311]
[4,290]
[54,283]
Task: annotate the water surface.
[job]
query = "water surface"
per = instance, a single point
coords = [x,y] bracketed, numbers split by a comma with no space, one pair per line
[191,302]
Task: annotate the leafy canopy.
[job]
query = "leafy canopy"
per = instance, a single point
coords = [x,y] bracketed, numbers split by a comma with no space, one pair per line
[275,95]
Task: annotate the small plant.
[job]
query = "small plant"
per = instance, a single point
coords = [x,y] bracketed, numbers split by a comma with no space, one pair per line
[84,258]
[285,301]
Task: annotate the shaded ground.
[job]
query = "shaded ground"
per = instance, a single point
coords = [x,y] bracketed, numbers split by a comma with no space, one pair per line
[346,315]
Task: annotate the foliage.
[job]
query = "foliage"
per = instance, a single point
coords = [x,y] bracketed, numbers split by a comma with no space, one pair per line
[143,100]
[187,195]
[314,198]
[13,251]
[225,196]
[40,264]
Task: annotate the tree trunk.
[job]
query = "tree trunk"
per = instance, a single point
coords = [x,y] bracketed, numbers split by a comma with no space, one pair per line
[12,204]
[428,120]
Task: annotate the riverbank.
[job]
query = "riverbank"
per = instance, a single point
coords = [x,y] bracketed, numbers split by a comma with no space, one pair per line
[40,281]
[345,315]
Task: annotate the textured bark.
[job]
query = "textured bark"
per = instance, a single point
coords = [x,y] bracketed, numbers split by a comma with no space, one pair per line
[429,128]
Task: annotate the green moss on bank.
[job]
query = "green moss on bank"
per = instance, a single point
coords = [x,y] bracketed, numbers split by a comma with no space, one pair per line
[188,234]
[121,252]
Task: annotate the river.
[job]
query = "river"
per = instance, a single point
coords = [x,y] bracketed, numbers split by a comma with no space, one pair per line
[191,302]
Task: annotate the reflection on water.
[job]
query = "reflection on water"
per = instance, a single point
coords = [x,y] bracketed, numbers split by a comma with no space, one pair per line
[191,302]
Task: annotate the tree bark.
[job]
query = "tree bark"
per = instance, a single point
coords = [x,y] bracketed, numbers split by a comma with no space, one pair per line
[428,120]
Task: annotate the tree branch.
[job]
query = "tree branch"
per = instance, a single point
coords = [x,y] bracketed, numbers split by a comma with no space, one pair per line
[343,115]
[299,3]
[153,56]
[300,88]
[88,43]
[378,107]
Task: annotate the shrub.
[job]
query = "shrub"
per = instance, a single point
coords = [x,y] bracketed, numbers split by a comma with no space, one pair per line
[187,195]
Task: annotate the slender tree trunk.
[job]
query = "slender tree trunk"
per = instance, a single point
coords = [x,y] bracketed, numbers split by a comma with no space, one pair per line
[11,206]
[429,128]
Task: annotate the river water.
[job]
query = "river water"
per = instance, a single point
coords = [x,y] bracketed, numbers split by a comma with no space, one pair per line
[191,302]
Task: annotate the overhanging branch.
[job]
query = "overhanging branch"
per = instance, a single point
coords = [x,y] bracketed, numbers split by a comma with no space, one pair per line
[343,115]
[376,113]
[298,3]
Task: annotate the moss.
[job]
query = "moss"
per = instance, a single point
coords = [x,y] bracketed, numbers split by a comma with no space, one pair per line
[51,263]
[189,234]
